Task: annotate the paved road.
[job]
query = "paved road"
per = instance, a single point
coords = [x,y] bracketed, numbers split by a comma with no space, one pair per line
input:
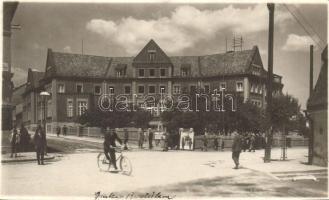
[172,173]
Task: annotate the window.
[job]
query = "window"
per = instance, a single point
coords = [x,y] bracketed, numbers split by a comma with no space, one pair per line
[152,72]
[120,72]
[97,89]
[61,88]
[141,89]
[162,89]
[192,89]
[185,71]
[222,86]
[82,106]
[141,72]
[151,89]
[260,90]
[176,89]
[79,88]
[111,89]
[207,88]
[127,89]
[162,72]
[151,53]
[69,107]
[239,86]
[252,88]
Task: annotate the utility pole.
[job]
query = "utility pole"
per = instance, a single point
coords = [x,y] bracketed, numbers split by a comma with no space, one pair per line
[267,157]
[82,46]
[310,140]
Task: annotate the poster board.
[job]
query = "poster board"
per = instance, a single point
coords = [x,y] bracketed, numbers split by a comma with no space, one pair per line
[186,141]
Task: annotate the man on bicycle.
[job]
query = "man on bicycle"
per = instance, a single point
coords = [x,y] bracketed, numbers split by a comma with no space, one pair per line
[109,146]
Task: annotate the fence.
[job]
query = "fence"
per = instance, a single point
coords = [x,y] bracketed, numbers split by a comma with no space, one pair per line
[227,141]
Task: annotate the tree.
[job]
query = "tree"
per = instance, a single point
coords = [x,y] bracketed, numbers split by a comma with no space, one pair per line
[285,110]
[115,119]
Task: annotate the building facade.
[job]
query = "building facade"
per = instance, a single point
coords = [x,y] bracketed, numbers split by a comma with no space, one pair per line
[317,107]
[9,9]
[76,82]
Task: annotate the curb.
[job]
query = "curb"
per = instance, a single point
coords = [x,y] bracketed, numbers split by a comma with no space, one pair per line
[26,160]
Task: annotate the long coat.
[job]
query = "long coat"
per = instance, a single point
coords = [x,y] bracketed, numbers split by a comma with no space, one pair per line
[39,140]
[237,144]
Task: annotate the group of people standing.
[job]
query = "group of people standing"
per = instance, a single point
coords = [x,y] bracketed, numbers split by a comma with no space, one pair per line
[142,136]
[20,142]
[58,130]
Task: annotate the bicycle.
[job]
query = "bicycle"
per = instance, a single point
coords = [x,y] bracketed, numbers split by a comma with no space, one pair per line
[124,163]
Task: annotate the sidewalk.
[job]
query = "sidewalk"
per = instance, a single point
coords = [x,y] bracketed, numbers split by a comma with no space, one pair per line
[23,157]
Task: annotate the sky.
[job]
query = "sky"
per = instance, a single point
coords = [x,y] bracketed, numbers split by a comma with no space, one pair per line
[114,29]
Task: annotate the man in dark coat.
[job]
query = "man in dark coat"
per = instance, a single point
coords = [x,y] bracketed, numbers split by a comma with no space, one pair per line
[39,140]
[13,142]
[109,146]
[236,149]
[58,131]
[64,130]
[150,138]
[25,138]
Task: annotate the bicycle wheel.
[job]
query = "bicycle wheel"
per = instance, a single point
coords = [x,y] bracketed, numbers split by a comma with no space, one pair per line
[125,165]
[102,162]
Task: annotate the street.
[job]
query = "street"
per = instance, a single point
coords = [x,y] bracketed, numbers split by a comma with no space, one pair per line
[173,173]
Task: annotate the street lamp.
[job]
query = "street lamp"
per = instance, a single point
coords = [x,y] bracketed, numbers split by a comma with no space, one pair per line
[44,95]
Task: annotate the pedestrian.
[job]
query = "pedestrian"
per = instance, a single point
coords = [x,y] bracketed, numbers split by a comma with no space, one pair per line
[64,130]
[236,149]
[58,131]
[24,138]
[223,144]
[13,142]
[190,143]
[216,143]
[165,142]
[252,143]
[150,138]
[126,138]
[141,138]
[39,140]
[183,142]
[245,142]
[205,143]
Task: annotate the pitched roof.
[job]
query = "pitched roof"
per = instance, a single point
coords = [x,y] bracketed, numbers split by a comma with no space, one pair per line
[319,96]
[78,65]
[217,64]
[17,94]
[151,46]
[33,79]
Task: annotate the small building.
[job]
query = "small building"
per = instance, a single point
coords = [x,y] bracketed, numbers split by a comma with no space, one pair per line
[317,107]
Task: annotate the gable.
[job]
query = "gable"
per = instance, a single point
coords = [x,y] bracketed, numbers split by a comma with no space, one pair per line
[50,65]
[151,53]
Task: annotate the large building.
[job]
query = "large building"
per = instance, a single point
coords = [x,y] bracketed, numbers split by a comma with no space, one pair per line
[317,106]
[76,81]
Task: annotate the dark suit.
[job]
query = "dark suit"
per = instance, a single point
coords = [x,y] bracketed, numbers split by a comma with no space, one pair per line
[236,149]
[150,139]
[109,144]
[39,140]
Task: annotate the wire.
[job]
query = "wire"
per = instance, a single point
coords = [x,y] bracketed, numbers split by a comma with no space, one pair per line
[308,24]
[318,44]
